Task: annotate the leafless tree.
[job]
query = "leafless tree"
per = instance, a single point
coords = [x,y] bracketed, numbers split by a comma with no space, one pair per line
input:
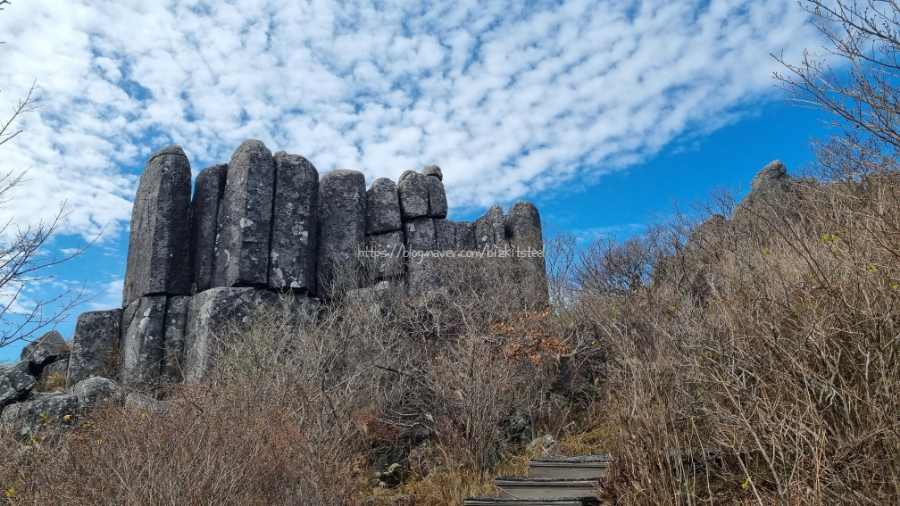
[856,78]
[24,256]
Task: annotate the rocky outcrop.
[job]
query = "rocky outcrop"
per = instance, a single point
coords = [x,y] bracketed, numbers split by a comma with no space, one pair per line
[771,175]
[245,218]
[160,236]
[261,229]
[524,235]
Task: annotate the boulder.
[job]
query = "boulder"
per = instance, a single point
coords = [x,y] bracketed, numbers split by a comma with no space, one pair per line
[173,338]
[15,381]
[384,255]
[95,346]
[209,188]
[146,405]
[55,373]
[434,171]
[769,176]
[382,207]
[40,410]
[490,229]
[45,350]
[413,192]
[543,447]
[465,236]
[142,346]
[292,257]
[95,389]
[437,198]
[160,239]
[375,300]
[210,314]
[245,218]
[342,230]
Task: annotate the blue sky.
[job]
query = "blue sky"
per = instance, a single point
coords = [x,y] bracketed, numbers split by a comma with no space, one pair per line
[601,112]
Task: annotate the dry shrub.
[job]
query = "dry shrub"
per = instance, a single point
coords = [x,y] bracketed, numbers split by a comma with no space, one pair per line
[305,408]
[763,365]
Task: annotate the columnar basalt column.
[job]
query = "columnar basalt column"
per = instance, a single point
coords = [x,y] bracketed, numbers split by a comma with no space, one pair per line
[342,231]
[420,235]
[523,231]
[465,236]
[445,235]
[490,229]
[142,346]
[384,230]
[382,207]
[437,196]
[159,243]
[292,258]
[209,315]
[173,338]
[209,188]
[245,218]
[413,190]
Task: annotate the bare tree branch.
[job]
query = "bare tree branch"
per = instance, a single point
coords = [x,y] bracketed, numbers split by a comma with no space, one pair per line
[866,94]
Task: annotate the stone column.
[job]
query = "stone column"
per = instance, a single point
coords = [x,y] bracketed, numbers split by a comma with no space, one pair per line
[159,244]
[208,191]
[245,218]
[342,231]
[292,258]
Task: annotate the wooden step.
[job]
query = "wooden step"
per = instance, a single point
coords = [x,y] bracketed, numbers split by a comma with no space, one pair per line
[500,501]
[547,488]
[585,467]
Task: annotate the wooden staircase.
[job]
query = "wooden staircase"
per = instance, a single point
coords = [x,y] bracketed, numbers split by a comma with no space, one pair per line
[555,481]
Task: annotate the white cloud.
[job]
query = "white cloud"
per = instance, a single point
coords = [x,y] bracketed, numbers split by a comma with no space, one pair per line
[509,98]
[107,296]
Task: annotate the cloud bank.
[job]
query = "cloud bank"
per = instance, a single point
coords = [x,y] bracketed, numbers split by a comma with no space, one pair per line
[509,98]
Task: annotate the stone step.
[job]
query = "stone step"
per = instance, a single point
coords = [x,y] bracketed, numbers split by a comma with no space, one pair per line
[500,501]
[547,488]
[585,467]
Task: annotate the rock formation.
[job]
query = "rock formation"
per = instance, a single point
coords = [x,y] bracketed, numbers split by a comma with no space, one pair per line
[261,229]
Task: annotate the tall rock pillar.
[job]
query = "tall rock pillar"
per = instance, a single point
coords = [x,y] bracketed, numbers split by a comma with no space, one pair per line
[245,218]
[159,243]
